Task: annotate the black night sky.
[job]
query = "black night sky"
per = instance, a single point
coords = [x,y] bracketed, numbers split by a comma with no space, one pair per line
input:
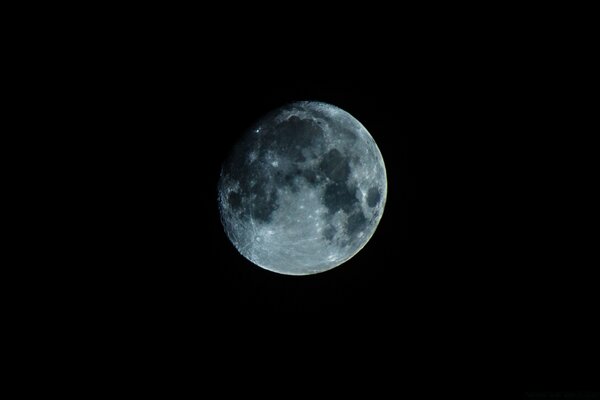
[479,281]
[421,284]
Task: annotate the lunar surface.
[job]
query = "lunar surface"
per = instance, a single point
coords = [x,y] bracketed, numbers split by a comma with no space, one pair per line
[303,190]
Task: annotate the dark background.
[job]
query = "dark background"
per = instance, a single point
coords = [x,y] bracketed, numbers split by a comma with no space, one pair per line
[445,284]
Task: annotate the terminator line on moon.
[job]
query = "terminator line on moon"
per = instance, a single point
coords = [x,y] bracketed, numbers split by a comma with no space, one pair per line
[303,190]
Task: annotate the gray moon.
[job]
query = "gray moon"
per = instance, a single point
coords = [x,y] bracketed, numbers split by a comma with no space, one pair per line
[303,190]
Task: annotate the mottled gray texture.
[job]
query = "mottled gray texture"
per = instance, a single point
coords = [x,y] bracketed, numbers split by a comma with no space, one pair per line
[304,189]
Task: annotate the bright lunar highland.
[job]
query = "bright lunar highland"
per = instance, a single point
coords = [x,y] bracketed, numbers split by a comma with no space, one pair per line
[303,190]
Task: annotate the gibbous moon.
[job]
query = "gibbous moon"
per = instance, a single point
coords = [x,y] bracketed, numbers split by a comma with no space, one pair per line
[303,190]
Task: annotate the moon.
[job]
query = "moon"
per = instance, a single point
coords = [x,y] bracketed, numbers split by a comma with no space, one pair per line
[303,190]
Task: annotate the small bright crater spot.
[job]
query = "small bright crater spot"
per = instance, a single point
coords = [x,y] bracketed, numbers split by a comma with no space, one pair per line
[275,163]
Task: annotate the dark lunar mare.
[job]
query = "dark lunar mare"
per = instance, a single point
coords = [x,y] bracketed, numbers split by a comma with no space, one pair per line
[256,197]
[288,140]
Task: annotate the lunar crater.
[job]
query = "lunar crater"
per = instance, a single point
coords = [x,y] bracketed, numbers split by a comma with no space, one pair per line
[356,222]
[373,197]
[339,196]
[335,166]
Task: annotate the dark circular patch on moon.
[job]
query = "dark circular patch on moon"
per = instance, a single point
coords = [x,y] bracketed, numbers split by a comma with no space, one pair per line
[356,222]
[303,190]
[338,196]
[334,166]
[373,197]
